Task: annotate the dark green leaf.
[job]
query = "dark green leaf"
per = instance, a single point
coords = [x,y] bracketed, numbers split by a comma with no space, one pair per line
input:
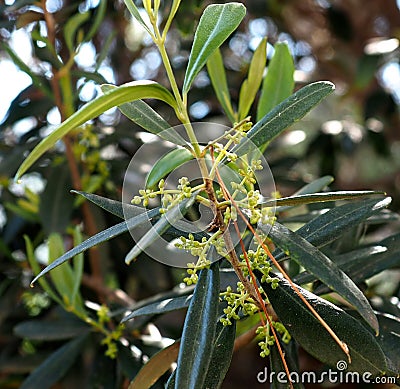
[56,203]
[284,115]
[198,335]
[216,24]
[345,261]
[221,355]
[117,208]
[330,225]
[318,198]
[109,205]
[279,82]
[96,20]
[50,330]
[389,335]
[55,366]
[102,236]
[166,164]
[317,263]
[367,262]
[160,307]
[365,351]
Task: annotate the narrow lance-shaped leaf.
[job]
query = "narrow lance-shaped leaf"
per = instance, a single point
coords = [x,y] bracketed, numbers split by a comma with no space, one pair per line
[279,82]
[313,187]
[36,270]
[123,94]
[318,198]
[317,263]
[365,351]
[216,24]
[119,209]
[216,71]
[251,85]
[71,27]
[284,115]
[78,263]
[63,277]
[162,225]
[51,330]
[328,226]
[102,236]
[160,307]
[221,355]
[136,14]
[55,366]
[198,335]
[146,117]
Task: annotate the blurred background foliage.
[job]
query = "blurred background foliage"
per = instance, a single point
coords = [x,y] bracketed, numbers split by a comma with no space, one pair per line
[354,136]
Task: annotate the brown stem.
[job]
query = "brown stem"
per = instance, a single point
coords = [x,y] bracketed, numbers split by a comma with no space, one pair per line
[118,295]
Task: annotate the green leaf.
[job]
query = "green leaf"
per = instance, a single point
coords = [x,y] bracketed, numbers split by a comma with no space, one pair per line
[221,355]
[143,115]
[216,71]
[51,330]
[102,236]
[160,307]
[330,225]
[316,185]
[96,20]
[317,263]
[63,276]
[136,14]
[390,341]
[162,225]
[313,187]
[284,115]
[77,264]
[38,81]
[166,164]
[366,262]
[250,86]
[354,258]
[155,367]
[319,197]
[117,209]
[109,205]
[71,27]
[55,366]
[56,203]
[197,343]
[128,92]
[365,351]
[216,24]
[36,270]
[279,82]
